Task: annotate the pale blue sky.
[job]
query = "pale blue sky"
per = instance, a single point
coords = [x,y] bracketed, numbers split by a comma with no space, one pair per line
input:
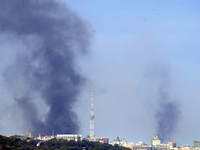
[129,35]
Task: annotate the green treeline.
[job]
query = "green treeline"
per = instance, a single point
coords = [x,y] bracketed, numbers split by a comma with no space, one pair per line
[11,143]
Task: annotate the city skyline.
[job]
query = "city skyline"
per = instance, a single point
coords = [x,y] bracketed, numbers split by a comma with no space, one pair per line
[141,57]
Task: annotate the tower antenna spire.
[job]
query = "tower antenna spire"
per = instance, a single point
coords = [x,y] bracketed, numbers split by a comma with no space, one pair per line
[92,117]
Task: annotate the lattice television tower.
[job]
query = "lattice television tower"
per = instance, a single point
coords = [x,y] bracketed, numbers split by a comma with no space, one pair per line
[92,118]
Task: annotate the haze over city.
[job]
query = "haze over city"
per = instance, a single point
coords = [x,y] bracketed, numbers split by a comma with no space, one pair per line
[141,58]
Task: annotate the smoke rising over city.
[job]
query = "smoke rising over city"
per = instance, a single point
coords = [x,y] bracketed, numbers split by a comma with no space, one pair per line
[44,40]
[143,64]
[167,113]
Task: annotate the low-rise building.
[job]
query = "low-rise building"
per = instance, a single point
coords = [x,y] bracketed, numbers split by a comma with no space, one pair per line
[122,142]
[69,137]
[101,140]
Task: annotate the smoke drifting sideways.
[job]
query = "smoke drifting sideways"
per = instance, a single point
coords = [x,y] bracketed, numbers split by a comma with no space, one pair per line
[51,39]
[167,112]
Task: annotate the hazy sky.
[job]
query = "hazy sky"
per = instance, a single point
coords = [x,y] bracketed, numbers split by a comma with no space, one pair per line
[130,37]
[139,50]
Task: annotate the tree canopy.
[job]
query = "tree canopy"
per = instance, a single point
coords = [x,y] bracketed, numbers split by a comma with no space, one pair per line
[13,143]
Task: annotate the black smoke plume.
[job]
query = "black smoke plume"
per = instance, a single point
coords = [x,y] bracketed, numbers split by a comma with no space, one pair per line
[167,112]
[52,37]
[167,118]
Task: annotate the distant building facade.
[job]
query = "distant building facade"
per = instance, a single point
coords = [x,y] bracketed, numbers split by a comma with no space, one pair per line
[196,143]
[101,140]
[122,142]
[155,140]
[105,140]
[70,137]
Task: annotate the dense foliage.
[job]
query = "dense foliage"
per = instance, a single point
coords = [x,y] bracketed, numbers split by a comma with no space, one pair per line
[12,143]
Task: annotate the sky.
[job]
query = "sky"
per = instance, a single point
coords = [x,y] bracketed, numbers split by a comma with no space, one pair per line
[129,38]
[143,64]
